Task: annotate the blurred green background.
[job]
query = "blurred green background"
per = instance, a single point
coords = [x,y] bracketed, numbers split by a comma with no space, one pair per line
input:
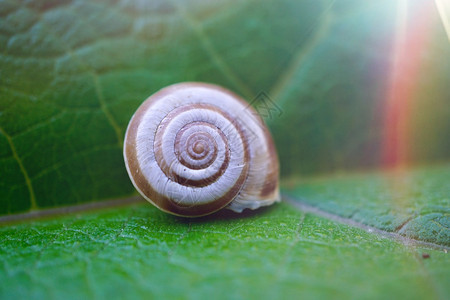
[360,84]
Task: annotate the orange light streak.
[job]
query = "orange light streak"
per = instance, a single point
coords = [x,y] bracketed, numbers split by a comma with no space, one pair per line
[412,32]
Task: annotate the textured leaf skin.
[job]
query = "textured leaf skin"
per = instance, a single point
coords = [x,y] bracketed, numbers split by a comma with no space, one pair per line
[279,252]
[415,203]
[73,72]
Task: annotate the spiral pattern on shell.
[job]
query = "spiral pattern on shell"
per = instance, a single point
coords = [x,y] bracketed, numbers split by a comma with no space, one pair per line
[192,149]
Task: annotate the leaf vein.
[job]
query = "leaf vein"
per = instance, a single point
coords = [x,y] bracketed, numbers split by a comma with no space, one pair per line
[22,169]
[299,57]
[392,235]
[212,52]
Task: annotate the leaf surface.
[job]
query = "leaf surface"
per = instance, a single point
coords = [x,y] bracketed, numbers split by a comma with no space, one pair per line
[141,252]
[73,72]
[413,203]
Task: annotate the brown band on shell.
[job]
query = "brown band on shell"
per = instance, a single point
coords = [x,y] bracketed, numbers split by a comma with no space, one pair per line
[167,169]
[271,182]
[178,146]
[165,203]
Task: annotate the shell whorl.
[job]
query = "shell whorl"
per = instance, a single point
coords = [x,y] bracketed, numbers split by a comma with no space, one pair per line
[193,148]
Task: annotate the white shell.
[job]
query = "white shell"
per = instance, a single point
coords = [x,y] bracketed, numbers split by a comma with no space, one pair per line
[194,148]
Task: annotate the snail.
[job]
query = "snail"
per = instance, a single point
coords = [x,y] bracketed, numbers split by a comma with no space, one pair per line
[192,149]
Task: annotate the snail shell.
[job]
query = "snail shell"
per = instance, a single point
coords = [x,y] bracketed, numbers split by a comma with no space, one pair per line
[194,148]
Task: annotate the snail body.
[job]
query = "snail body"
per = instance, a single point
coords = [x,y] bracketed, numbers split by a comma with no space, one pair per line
[194,148]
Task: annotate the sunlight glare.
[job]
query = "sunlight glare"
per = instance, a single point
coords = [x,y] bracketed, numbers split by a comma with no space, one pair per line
[443,7]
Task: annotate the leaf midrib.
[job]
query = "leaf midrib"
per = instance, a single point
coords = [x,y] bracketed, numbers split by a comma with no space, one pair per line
[296,203]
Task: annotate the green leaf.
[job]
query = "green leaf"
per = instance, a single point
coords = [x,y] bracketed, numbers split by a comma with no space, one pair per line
[73,72]
[278,252]
[413,203]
